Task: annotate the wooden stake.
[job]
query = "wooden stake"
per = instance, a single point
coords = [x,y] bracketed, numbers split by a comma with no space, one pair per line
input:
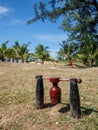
[39,92]
[74,99]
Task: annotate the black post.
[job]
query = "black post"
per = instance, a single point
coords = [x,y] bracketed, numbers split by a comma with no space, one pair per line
[39,92]
[74,99]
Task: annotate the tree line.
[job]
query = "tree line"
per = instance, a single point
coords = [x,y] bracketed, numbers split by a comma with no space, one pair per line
[72,52]
[18,52]
[69,51]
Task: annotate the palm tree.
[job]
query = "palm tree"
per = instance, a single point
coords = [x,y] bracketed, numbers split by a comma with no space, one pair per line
[15,47]
[89,52]
[68,50]
[42,53]
[11,54]
[3,51]
[21,51]
[61,55]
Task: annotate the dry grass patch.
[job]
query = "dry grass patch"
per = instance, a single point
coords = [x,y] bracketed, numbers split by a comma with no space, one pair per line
[17,98]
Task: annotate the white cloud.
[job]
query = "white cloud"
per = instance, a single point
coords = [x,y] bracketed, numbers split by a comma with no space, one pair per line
[51,37]
[15,22]
[3,10]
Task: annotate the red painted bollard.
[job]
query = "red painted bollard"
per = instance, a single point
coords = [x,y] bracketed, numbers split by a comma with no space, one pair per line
[55,91]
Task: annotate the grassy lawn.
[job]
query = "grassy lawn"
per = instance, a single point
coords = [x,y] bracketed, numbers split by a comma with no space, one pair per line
[17,98]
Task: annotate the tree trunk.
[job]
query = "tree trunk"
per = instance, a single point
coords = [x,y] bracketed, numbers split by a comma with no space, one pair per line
[71,63]
[42,61]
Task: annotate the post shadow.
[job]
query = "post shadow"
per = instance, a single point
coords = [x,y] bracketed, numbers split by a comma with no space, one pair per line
[48,105]
[84,111]
[65,109]
[88,111]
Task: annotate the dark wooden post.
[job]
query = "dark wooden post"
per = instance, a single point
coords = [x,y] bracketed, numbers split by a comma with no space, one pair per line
[39,92]
[74,99]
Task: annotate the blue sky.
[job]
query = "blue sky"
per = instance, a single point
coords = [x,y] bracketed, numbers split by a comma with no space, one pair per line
[13,27]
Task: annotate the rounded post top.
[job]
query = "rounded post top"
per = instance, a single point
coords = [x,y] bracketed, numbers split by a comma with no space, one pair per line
[38,76]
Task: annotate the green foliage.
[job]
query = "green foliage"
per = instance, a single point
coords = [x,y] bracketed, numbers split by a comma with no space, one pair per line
[82,24]
[89,52]
[3,51]
[67,51]
[42,53]
[21,51]
[15,52]
[79,21]
[53,9]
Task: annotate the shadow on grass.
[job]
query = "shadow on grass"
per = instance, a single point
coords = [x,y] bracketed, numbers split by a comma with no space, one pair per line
[77,66]
[88,111]
[48,105]
[65,109]
[81,66]
[85,111]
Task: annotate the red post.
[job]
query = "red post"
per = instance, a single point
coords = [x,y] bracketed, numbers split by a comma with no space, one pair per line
[55,91]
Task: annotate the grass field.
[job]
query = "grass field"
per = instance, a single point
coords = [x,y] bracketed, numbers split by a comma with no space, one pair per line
[17,98]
